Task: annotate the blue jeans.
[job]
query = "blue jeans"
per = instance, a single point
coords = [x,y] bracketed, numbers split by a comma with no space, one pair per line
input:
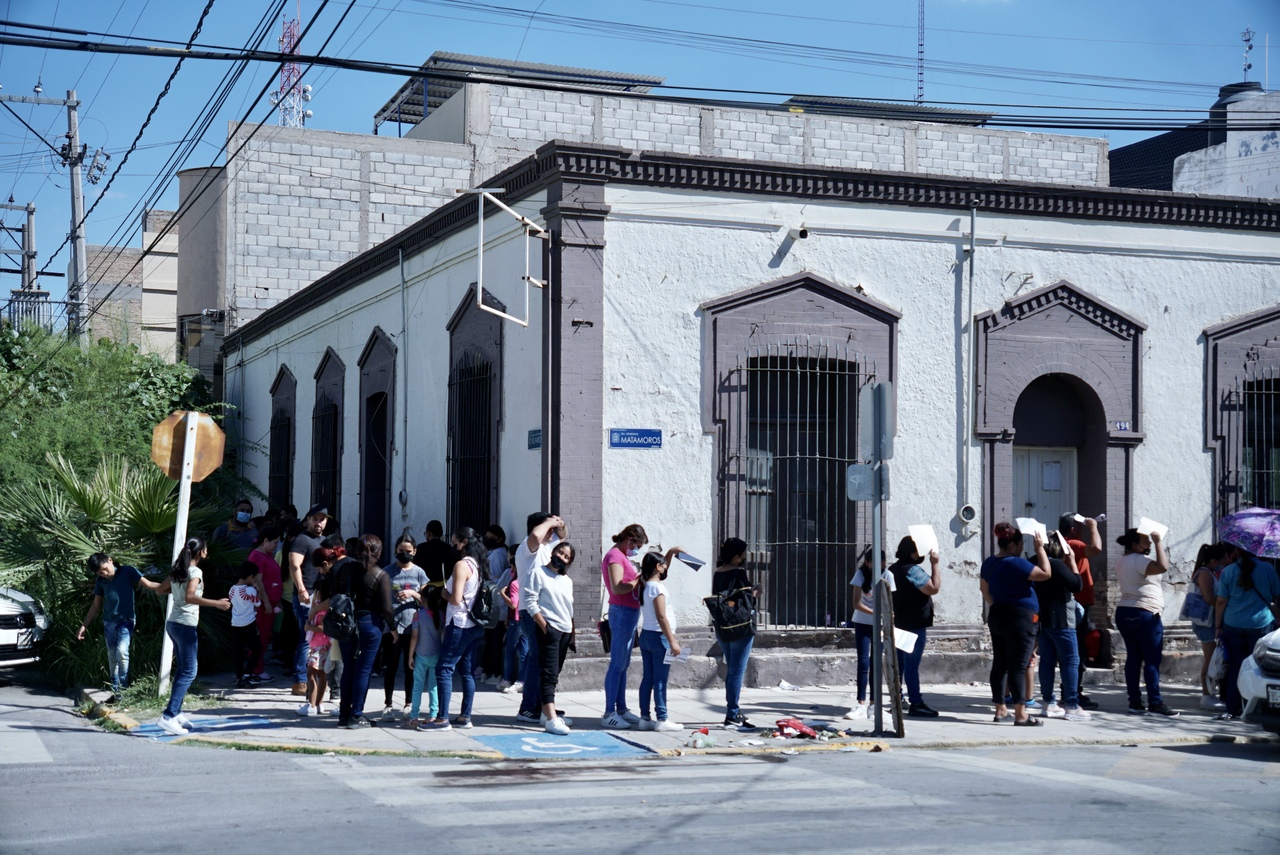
[736,654]
[1237,644]
[118,634]
[622,624]
[359,653]
[185,639]
[515,647]
[300,613]
[424,680]
[654,679]
[1143,634]
[909,665]
[862,639]
[531,700]
[456,653]
[1058,646]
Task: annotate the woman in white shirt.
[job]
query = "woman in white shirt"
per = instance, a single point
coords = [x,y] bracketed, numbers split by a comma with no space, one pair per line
[462,635]
[548,600]
[657,637]
[186,583]
[1138,618]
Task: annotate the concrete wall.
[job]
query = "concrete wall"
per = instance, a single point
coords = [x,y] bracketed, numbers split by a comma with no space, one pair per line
[436,280]
[300,202]
[1247,164]
[668,252]
[160,285]
[202,259]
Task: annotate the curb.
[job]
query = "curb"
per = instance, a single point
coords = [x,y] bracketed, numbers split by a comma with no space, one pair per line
[98,709]
[1197,739]
[303,748]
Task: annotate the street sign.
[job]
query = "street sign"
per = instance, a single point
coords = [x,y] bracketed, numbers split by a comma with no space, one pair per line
[635,438]
[861,482]
[535,438]
[867,422]
[886,419]
[168,442]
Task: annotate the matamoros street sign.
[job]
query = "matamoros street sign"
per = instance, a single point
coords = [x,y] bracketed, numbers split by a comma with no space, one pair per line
[635,438]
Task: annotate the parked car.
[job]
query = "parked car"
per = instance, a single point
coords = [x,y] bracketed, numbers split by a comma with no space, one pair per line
[1260,683]
[22,623]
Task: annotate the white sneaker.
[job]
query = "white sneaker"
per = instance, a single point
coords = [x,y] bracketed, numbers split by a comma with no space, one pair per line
[1054,711]
[182,720]
[513,689]
[858,713]
[171,726]
[1078,714]
[557,726]
[503,685]
[389,714]
[1209,702]
[629,717]
[669,727]
[648,724]
[542,719]
[613,721]
[320,710]
[305,710]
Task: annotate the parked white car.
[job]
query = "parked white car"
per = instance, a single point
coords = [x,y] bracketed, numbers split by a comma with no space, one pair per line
[22,623]
[1259,683]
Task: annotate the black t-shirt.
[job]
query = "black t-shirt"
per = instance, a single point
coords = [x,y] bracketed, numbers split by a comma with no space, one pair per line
[370,592]
[729,579]
[1055,593]
[305,544]
[432,556]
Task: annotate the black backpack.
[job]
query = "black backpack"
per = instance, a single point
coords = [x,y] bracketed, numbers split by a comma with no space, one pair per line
[484,609]
[340,620]
[733,612]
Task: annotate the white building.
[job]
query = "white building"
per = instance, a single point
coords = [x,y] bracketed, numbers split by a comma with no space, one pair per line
[136,294]
[1112,351]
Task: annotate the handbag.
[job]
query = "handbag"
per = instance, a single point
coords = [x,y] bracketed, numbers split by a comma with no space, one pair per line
[606,634]
[1218,665]
[1195,608]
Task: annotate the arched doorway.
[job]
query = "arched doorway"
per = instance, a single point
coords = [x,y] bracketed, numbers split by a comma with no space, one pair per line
[1059,449]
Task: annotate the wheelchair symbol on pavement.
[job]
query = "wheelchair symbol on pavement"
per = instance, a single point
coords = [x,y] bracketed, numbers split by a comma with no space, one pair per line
[534,745]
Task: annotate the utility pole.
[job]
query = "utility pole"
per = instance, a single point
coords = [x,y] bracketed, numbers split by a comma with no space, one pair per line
[73,155]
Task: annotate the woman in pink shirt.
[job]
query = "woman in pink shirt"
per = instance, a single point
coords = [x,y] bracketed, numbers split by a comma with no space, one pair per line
[621,581]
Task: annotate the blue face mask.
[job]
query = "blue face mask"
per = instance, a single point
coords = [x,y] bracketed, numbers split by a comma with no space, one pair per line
[633,552]
[243,516]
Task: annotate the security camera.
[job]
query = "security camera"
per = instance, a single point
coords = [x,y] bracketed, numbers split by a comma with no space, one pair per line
[800,233]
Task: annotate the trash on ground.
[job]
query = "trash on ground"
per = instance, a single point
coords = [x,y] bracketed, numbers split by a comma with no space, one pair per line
[784,686]
[793,728]
[790,751]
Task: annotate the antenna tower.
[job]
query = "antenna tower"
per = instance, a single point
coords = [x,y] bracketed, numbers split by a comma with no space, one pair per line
[920,57]
[292,94]
[1247,38]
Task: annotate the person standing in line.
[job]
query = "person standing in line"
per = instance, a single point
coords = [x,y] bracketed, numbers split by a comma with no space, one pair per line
[492,661]
[913,591]
[113,595]
[303,575]
[462,635]
[370,591]
[657,637]
[1013,615]
[730,575]
[1204,578]
[515,644]
[864,622]
[238,532]
[1139,619]
[544,532]
[408,581]
[1085,544]
[247,599]
[424,640]
[263,555]
[622,581]
[549,602]
[1242,615]
[186,583]
[435,554]
[321,651]
[1058,633]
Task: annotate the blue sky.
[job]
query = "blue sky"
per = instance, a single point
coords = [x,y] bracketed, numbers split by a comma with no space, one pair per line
[1127,55]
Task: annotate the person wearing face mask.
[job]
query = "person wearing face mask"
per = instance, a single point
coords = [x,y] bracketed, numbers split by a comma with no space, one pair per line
[238,532]
[1138,618]
[622,582]
[408,581]
[657,636]
[549,601]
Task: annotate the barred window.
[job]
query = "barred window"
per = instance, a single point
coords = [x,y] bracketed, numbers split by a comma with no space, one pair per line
[284,393]
[326,434]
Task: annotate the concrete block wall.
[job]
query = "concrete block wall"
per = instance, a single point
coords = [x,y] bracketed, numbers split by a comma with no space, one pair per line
[302,202]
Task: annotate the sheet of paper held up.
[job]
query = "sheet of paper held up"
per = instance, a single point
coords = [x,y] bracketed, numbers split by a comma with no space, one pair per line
[904,639]
[668,659]
[1029,527]
[925,538]
[695,563]
[1080,518]
[1146,526]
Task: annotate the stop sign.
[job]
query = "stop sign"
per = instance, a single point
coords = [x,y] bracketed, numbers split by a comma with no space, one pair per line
[169,439]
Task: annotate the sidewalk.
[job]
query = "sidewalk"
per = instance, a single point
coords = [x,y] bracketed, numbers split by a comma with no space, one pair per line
[265,718]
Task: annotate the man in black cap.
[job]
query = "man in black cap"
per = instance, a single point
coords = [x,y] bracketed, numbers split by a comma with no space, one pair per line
[304,576]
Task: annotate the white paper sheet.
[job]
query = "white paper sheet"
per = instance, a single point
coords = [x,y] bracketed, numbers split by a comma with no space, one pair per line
[904,639]
[925,538]
[1146,526]
[695,563]
[1029,527]
[668,659]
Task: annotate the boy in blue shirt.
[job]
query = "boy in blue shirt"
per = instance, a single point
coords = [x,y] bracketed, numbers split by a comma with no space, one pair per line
[113,595]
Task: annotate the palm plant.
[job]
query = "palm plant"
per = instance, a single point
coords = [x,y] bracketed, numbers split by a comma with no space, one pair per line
[49,529]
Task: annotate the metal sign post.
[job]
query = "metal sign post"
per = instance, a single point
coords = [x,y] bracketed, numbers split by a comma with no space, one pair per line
[191,422]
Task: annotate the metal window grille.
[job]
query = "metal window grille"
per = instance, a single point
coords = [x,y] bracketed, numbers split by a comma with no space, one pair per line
[280,464]
[471,428]
[790,431]
[326,455]
[1250,454]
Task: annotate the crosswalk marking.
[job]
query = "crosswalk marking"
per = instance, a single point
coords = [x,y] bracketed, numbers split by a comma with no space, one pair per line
[19,744]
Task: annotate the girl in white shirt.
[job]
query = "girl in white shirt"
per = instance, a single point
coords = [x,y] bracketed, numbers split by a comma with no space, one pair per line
[548,599]
[657,636]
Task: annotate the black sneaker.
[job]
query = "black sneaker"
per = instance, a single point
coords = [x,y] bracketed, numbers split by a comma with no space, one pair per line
[244,683]
[738,720]
[921,710]
[1087,704]
[1162,709]
[1137,709]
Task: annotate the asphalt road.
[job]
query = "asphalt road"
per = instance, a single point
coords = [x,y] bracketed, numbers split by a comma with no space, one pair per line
[66,786]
